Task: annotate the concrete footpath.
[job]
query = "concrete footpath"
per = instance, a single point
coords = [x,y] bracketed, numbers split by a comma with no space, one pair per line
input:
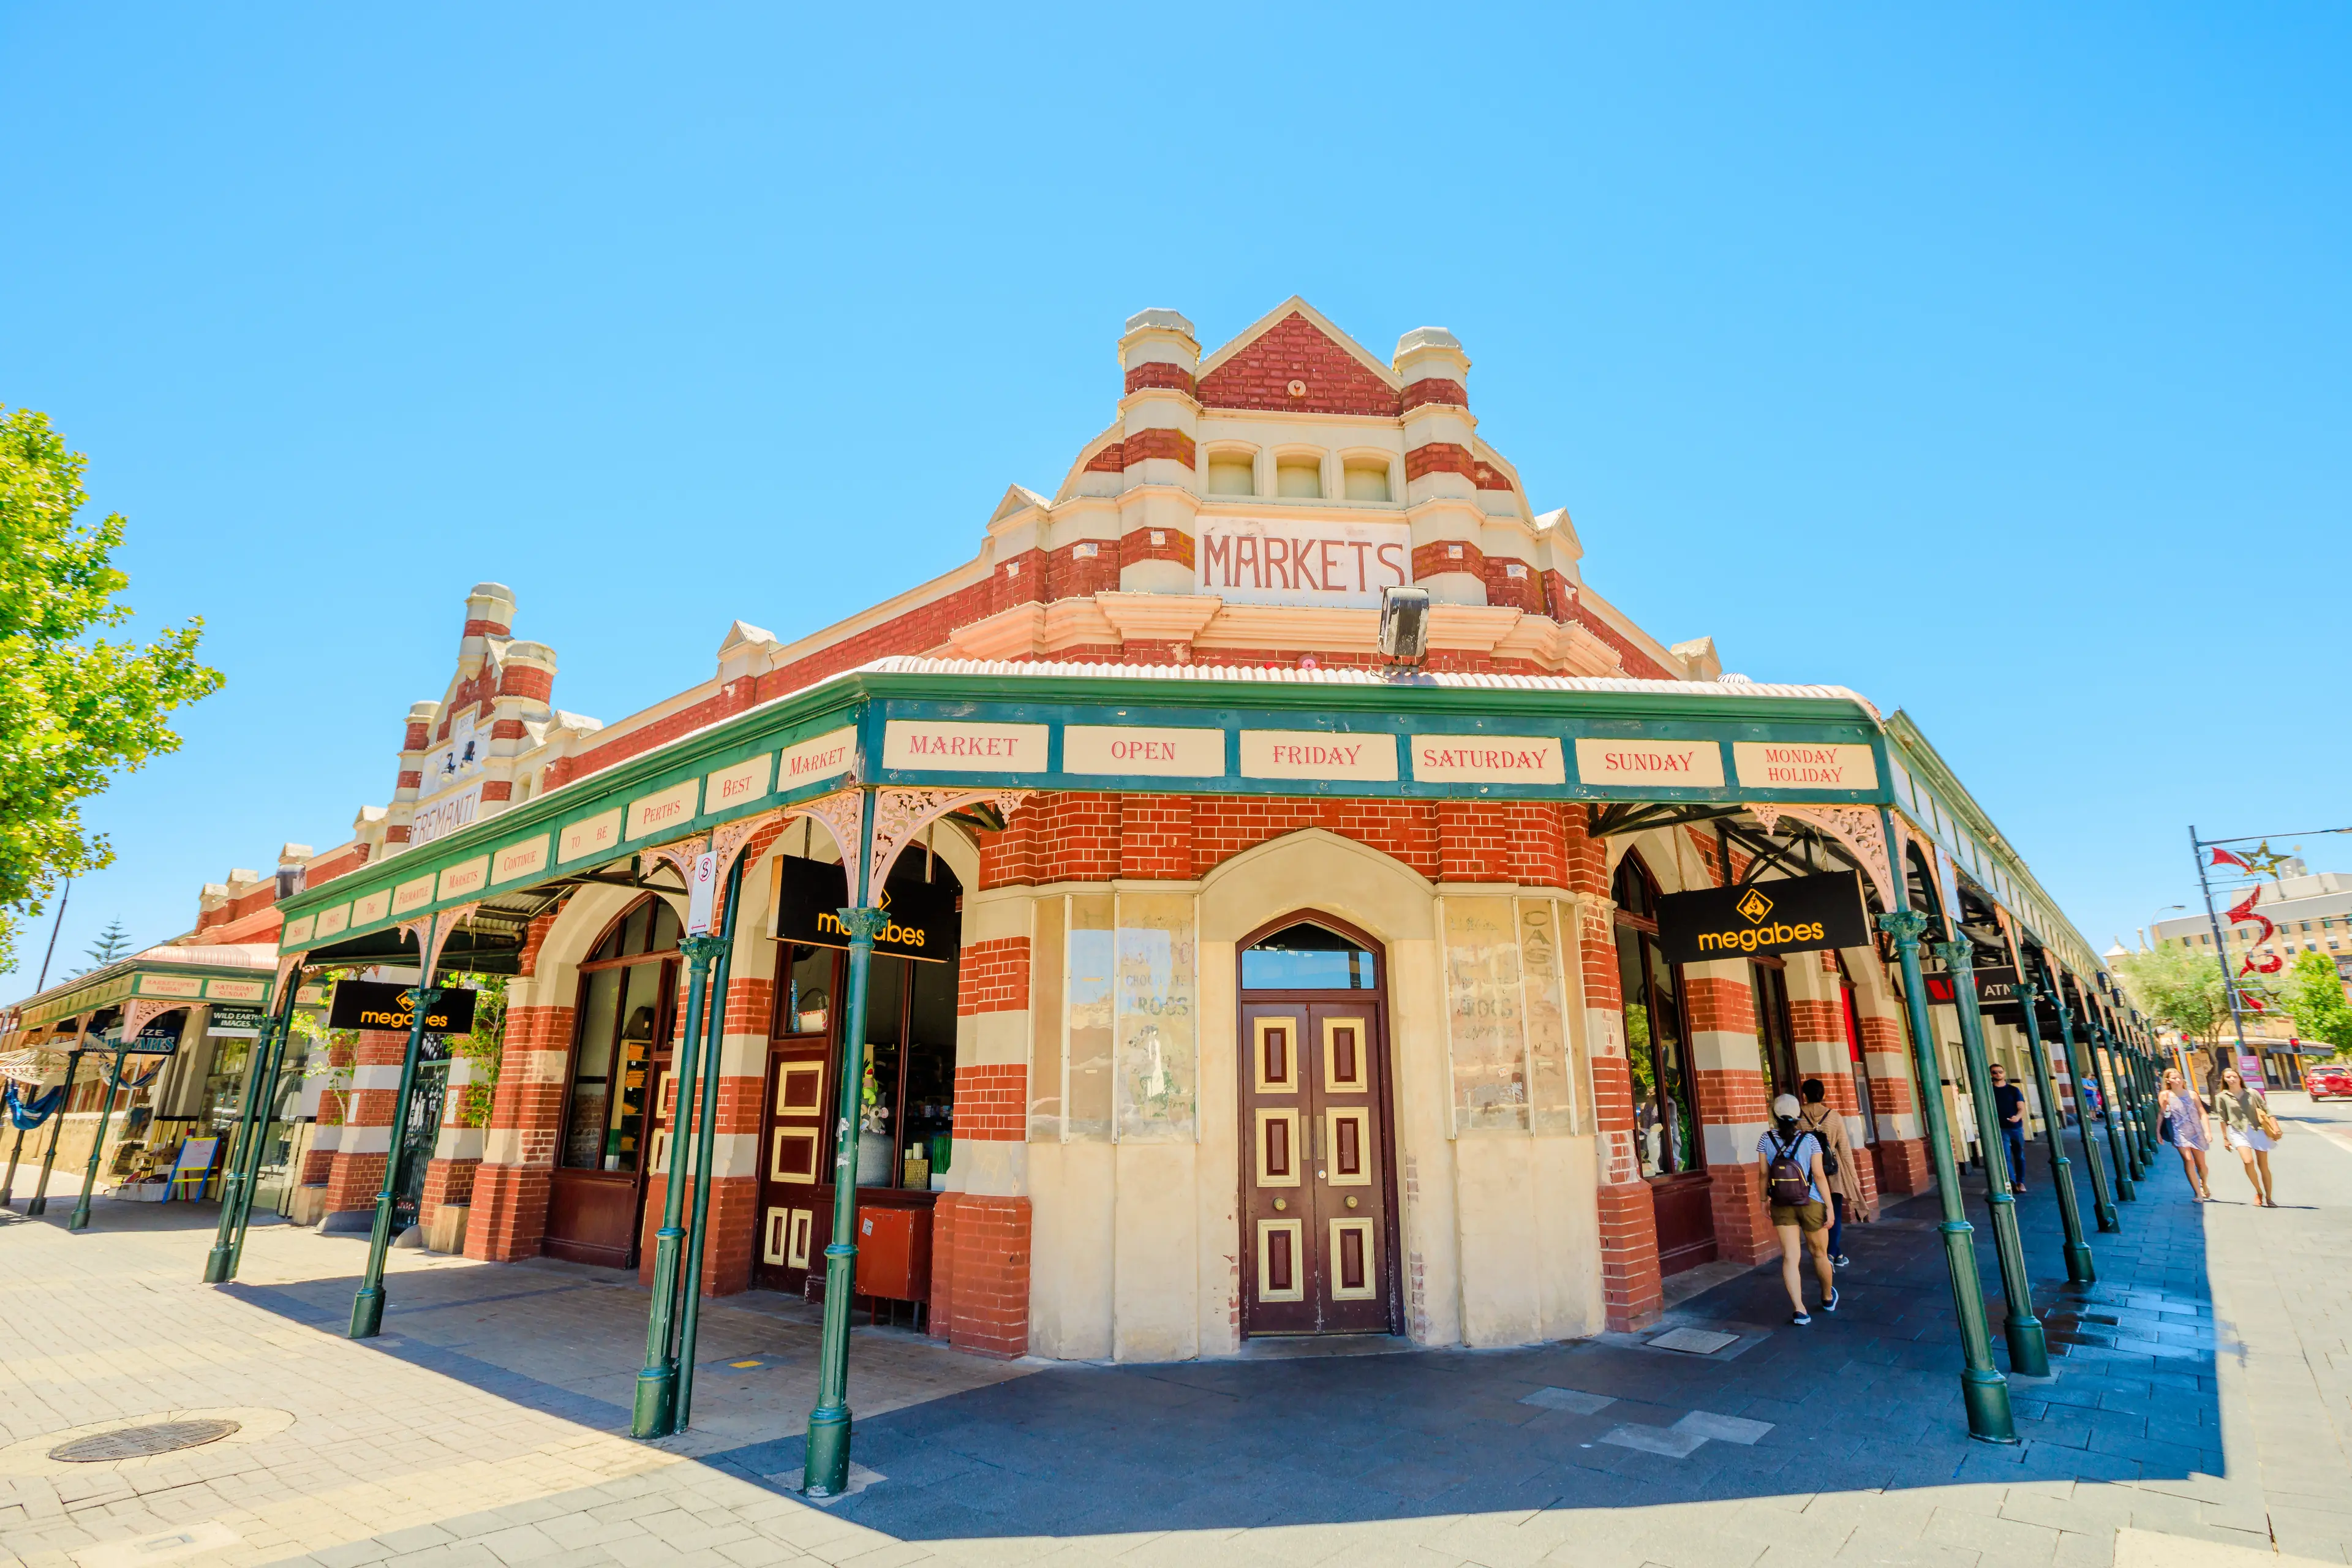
[2198,1415]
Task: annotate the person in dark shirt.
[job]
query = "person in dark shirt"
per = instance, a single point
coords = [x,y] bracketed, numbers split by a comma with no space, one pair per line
[2009,1109]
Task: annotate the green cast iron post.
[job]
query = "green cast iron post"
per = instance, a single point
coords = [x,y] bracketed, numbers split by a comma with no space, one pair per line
[2148,1088]
[80,1218]
[2029,1351]
[2119,1052]
[285,1039]
[827,1469]
[2078,1074]
[236,1174]
[715,1032]
[1983,1391]
[233,1168]
[8,1184]
[367,1304]
[40,1201]
[2080,1270]
[657,1381]
[2113,1113]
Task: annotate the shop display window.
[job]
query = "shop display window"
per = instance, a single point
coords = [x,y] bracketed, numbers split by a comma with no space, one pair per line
[625,995]
[1666,1119]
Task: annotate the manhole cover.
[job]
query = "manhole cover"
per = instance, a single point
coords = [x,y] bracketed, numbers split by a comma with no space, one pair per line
[138,1442]
[1694,1341]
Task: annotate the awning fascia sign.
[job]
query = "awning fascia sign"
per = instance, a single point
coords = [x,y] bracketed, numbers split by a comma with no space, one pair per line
[1103,735]
[734,769]
[1457,751]
[185,983]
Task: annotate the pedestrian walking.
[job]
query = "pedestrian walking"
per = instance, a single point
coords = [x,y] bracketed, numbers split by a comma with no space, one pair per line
[2009,1109]
[2184,1127]
[1847,1199]
[1795,1186]
[2248,1128]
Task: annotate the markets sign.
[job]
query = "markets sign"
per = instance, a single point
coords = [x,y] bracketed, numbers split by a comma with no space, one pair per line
[922,924]
[1795,914]
[378,1005]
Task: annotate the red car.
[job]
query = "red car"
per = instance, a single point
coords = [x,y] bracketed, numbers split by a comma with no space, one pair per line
[2328,1081]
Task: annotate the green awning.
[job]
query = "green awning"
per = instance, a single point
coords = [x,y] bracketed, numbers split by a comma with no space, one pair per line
[1169,729]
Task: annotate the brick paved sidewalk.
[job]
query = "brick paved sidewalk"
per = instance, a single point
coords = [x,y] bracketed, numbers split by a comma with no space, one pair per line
[2200,1395]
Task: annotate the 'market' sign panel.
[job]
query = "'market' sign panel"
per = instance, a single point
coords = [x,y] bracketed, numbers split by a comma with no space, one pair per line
[1795,914]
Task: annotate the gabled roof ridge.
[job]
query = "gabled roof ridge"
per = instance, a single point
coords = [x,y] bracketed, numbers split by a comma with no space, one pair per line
[1297,305]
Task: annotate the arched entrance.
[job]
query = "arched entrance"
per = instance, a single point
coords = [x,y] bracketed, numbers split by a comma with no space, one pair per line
[623,1021]
[1317,1132]
[1657,1057]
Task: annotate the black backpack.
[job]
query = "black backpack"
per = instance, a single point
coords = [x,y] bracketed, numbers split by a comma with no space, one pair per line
[1791,1185]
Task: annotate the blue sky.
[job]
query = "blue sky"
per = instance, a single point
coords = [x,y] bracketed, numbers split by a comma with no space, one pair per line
[1992,361]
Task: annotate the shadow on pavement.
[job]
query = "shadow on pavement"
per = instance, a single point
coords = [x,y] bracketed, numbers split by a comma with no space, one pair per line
[1868,1397]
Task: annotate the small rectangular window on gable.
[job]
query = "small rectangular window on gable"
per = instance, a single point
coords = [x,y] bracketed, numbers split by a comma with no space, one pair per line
[1367,481]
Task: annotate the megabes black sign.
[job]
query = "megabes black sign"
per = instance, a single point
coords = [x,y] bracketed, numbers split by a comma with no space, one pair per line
[376,1004]
[921,916]
[1795,914]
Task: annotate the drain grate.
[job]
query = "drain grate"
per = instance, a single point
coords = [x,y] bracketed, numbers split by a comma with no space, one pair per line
[1694,1341]
[141,1442]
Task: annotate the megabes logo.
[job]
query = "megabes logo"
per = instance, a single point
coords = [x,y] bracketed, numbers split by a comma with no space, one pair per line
[1755,937]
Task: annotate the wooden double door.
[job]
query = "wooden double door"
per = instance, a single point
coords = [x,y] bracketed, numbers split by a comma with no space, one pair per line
[1318,1208]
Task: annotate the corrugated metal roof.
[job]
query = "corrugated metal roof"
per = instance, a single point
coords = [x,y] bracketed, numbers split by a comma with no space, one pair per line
[902,664]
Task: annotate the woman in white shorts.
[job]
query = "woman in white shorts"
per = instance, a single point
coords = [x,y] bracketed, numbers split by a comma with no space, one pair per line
[2243,1112]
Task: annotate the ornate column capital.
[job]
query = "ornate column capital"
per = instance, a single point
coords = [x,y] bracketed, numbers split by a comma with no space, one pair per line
[864,925]
[1903,925]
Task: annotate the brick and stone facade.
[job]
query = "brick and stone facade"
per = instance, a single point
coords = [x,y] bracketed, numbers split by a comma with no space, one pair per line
[1063,1232]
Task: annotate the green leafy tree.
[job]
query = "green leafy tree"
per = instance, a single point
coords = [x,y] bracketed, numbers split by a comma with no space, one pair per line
[2314,999]
[2179,988]
[74,706]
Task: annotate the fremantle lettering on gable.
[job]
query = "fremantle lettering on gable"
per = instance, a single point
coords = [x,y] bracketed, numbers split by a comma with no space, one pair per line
[1249,561]
[441,817]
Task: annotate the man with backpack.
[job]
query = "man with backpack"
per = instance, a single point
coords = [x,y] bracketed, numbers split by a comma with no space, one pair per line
[1795,1186]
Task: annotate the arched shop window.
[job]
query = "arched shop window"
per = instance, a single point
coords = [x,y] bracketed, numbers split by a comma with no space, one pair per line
[1309,957]
[627,991]
[1666,1118]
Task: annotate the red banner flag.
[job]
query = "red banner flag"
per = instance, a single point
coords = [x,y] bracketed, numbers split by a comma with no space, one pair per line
[2224,858]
